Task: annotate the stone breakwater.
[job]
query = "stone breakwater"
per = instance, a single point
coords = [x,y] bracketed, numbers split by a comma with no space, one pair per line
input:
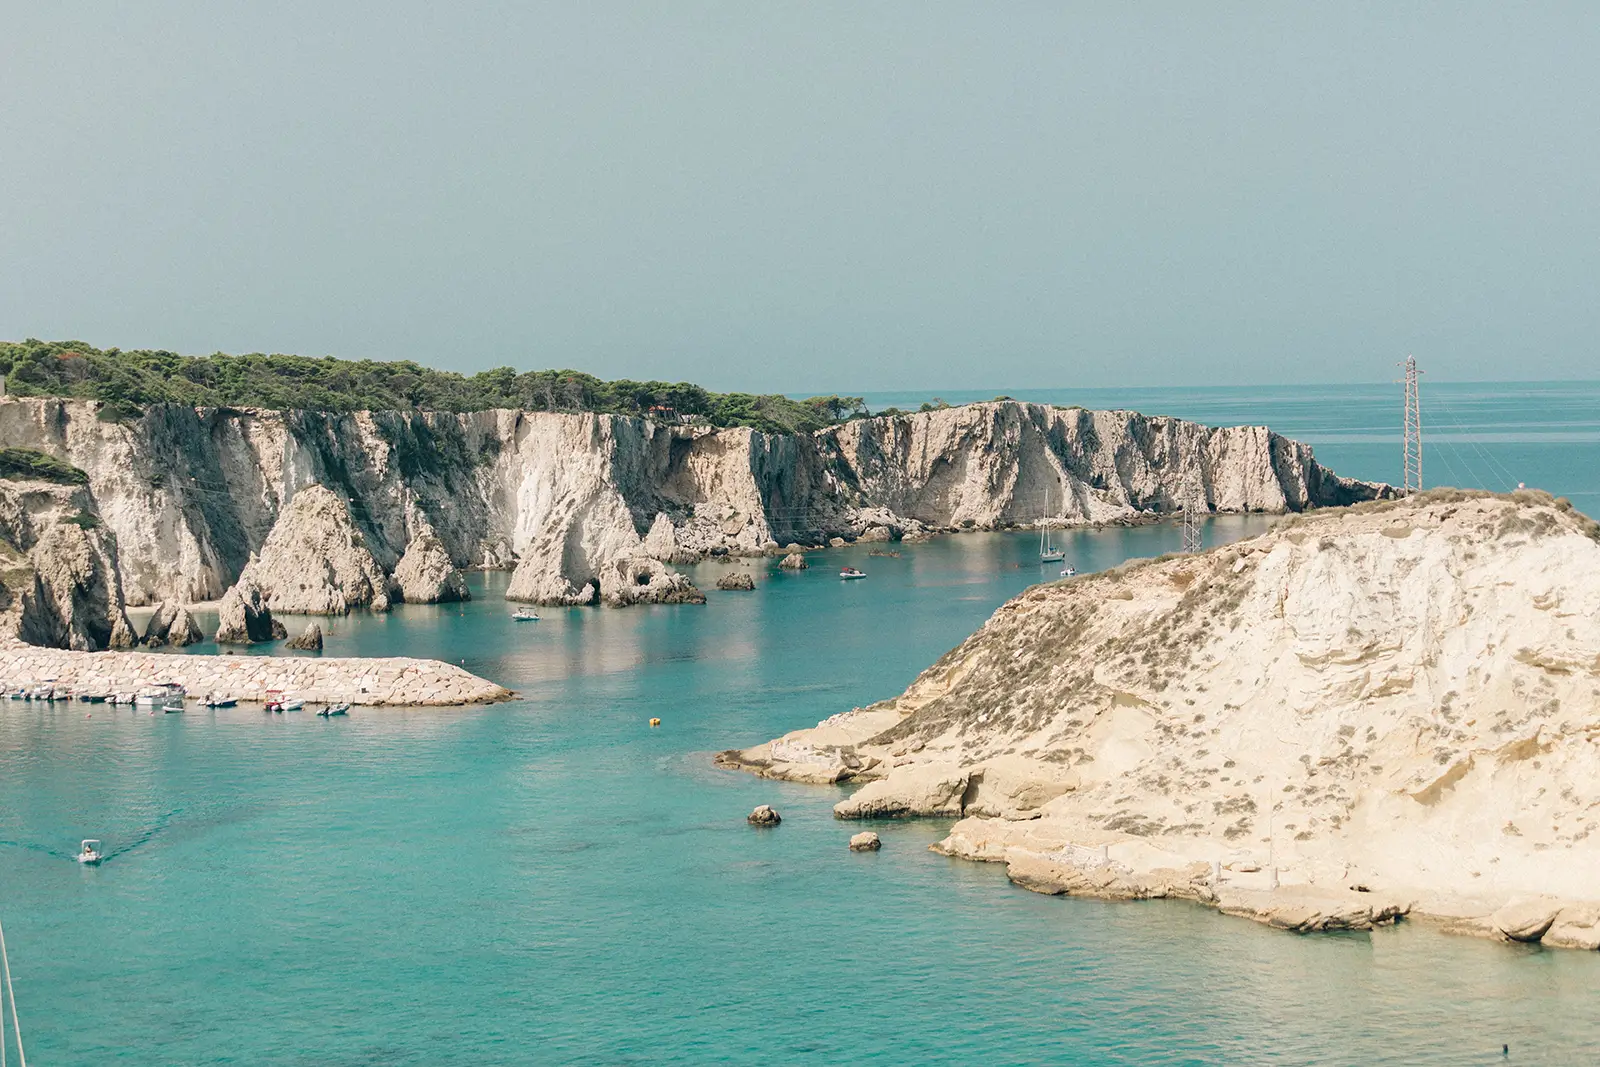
[385,681]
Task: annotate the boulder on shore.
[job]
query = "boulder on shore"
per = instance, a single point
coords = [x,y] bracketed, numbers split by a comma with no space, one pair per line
[765,815]
[243,616]
[309,639]
[426,574]
[865,842]
[738,580]
[794,561]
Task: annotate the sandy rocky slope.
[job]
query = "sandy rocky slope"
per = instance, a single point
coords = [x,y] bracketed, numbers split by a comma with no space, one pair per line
[591,508]
[1368,712]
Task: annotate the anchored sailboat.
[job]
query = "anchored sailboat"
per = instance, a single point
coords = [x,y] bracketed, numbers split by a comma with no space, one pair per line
[1048,552]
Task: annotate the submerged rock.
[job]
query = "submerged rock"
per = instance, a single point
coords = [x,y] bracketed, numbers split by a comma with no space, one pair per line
[243,616]
[865,842]
[315,561]
[738,580]
[765,815]
[308,640]
[426,574]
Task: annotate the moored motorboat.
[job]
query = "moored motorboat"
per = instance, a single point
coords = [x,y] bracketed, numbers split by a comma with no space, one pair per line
[1068,572]
[89,852]
[848,573]
[212,700]
[524,615]
[341,708]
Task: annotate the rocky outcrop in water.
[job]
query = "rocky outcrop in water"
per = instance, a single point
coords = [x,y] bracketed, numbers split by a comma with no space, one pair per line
[315,561]
[191,493]
[426,574]
[736,582]
[58,576]
[172,625]
[308,640]
[243,616]
[1364,713]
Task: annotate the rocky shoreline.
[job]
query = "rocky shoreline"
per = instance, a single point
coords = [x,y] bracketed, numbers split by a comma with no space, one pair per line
[391,681]
[1365,714]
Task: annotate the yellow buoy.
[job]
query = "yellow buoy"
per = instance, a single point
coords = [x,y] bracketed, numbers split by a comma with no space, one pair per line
[655,722]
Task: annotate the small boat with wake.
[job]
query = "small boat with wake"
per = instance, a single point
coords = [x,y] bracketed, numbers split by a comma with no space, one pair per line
[849,573]
[89,852]
[524,615]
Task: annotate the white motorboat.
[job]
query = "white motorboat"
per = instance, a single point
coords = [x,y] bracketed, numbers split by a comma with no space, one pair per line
[524,615]
[1068,572]
[89,852]
[212,700]
[848,573]
[341,708]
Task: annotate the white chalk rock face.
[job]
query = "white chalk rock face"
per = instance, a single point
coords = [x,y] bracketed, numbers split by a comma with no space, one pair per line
[59,584]
[315,561]
[191,493]
[76,600]
[426,574]
[1397,695]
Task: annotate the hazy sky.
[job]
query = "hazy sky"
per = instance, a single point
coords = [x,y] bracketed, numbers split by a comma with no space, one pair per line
[853,196]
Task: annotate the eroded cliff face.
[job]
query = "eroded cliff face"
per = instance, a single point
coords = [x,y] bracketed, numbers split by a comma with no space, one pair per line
[1396,699]
[59,584]
[570,499]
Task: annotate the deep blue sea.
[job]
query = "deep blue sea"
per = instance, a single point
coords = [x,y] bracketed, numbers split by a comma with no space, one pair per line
[552,881]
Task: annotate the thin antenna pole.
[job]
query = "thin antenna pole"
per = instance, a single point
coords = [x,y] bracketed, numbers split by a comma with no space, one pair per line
[16,1021]
[1193,499]
[1412,459]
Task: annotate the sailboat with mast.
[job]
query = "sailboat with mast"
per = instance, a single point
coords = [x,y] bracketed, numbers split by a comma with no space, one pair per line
[1048,552]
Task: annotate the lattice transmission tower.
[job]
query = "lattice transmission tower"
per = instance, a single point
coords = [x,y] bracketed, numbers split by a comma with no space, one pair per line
[1413,440]
[1193,506]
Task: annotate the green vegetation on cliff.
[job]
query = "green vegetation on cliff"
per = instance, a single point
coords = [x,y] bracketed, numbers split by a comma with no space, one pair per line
[128,382]
[25,464]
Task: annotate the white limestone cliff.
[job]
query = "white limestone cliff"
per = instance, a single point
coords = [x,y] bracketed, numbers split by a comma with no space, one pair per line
[426,574]
[59,584]
[316,562]
[191,493]
[1365,711]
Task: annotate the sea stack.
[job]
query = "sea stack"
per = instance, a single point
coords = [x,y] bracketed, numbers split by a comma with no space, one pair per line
[1365,712]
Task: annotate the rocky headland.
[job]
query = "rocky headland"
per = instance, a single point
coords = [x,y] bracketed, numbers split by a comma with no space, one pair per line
[1384,710]
[325,512]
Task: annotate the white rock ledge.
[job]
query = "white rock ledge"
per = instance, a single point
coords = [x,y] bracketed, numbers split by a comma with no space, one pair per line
[383,681]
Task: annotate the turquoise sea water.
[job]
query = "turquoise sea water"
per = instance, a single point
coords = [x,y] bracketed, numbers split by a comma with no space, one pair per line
[551,881]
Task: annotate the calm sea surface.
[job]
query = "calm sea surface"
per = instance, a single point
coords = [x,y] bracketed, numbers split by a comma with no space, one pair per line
[551,881]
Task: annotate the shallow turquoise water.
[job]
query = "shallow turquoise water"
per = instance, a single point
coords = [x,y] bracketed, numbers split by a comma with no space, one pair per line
[551,881]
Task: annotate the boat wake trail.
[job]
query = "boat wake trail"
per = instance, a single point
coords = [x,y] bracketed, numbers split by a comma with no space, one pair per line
[146,836]
[35,847]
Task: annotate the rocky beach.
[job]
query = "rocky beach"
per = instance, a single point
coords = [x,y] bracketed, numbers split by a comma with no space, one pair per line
[1368,713]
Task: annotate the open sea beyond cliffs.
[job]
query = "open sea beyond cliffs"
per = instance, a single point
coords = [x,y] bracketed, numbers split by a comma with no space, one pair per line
[552,881]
